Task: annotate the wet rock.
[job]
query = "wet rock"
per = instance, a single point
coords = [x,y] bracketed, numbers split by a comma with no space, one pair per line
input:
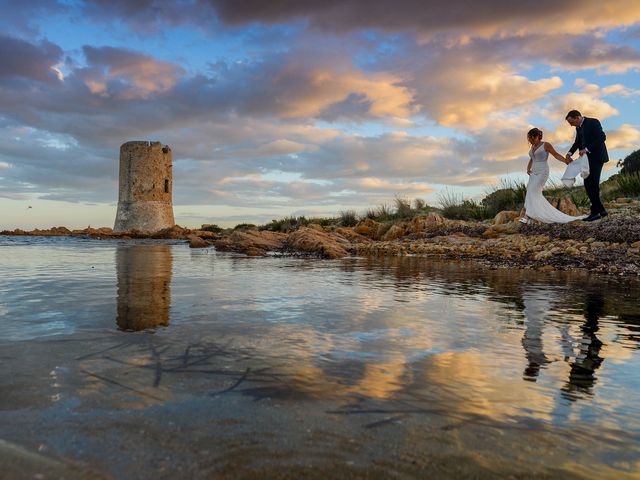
[197,242]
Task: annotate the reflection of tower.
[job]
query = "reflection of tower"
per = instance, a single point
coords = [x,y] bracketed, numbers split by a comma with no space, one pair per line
[144,196]
[144,286]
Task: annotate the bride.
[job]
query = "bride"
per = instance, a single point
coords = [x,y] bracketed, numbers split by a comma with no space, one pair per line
[536,206]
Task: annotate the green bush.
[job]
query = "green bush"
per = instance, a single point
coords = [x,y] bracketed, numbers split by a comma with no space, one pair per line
[211,227]
[419,204]
[630,164]
[505,196]
[323,221]
[629,184]
[454,207]
[244,226]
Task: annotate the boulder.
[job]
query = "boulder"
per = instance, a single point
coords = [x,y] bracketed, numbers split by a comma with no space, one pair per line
[396,231]
[253,242]
[174,233]
[566,205]
[505,216]
[197,242]
[502,228]
[317,242]
[368,228]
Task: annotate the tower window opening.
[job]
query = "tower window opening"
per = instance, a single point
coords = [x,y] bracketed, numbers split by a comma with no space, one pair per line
[166,185]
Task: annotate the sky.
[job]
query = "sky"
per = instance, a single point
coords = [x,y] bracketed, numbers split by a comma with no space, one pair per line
[293,107]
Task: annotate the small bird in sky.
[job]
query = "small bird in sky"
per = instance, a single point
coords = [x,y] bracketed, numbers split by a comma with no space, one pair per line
[29,207]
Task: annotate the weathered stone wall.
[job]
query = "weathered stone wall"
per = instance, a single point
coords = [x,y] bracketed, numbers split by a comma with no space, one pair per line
[146,187]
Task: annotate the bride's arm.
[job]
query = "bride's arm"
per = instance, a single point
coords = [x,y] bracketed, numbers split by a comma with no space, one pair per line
[549,148]
[529,166]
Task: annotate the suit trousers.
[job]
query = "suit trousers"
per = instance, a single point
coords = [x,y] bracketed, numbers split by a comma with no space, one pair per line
[592,186]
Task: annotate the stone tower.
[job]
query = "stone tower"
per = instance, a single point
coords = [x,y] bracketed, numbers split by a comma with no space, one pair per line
[145,194]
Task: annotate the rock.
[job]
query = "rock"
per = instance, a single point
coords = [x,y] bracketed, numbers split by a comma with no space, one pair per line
[635,244]
[504,228]
[205,234]
[435,219]
[197,242]
[566,205]
[505,216]
[318,242]
[254,242]
[174,233]
[367,228]
[349,235]
[396,231]
[623,200]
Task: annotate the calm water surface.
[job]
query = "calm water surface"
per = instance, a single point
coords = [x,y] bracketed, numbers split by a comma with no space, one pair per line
[151,360]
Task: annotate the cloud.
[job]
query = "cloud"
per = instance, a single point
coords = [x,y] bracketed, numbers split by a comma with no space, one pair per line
[493,17]
[21,59]
[126,74]
[626,137]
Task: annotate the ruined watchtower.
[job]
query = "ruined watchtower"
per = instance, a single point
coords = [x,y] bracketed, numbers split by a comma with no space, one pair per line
[144,198]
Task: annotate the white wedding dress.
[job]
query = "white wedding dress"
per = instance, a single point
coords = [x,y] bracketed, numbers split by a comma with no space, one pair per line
[537,207]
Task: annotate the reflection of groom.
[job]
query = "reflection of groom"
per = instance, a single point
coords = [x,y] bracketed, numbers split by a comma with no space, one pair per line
[590,140]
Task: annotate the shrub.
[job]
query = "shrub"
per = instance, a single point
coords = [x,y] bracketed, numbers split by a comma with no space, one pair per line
[323,221]
[419,204]
[629,184]
[371,213]
[348,218]
[384,210]
[286,224]
[244,226]
[580,199]
[403,207]
[630,164]
[211,227]
[506,196]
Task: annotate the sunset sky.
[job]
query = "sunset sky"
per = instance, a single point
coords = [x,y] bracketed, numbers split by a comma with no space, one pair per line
[284,107]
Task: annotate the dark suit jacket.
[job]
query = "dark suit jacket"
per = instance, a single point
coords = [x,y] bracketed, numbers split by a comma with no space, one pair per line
[591,136]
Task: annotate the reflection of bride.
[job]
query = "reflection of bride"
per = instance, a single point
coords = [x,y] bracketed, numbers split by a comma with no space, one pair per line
[536,206]
[536,306]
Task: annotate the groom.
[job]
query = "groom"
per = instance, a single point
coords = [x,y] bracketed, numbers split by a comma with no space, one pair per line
[590,140]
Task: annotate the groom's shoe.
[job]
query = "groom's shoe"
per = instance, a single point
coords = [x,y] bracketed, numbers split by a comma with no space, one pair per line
[604,213]
[592,217]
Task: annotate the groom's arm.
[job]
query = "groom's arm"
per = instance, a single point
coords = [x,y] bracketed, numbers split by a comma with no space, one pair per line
[574,147]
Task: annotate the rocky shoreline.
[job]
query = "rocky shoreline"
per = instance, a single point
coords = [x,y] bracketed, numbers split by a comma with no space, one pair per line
[608,246]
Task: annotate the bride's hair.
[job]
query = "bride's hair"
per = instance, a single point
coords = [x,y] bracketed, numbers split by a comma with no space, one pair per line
[533,134]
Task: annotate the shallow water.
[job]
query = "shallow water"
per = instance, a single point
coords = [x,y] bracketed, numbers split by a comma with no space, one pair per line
[151,360]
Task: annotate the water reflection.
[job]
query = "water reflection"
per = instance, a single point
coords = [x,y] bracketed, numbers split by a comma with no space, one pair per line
[144,286]
[582,374]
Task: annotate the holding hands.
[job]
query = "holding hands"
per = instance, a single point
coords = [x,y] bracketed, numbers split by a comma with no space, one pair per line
[568,159]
